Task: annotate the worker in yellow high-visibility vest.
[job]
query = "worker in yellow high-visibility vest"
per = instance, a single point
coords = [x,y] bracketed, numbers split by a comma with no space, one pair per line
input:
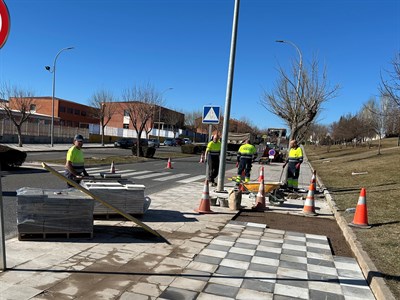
[294,160]
[212,157]
[247,152]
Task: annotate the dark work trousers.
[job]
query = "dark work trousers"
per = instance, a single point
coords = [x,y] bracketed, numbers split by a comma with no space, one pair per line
[213,167]
[245,164]
[293,175]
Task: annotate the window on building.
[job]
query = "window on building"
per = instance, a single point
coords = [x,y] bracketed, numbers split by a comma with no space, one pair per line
[62,109]
[126,113]
[83,113]
[70,110]
[77,112]
[126,126]
[32,107]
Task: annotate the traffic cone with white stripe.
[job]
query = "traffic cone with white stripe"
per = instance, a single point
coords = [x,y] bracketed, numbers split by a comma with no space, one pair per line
[112,168]
[314,180]
[204,207]
[361,215]
[309,205]
[169,164]
[261,177]
[260,198]
[201,158]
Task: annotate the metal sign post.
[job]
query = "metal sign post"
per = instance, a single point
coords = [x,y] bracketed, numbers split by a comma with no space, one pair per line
[211,116]
[4,30]
[2,237]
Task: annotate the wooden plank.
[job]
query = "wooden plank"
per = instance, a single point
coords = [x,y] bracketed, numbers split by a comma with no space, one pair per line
[105,203]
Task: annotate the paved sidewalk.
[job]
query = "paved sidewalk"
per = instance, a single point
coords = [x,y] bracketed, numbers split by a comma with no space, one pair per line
[210,257]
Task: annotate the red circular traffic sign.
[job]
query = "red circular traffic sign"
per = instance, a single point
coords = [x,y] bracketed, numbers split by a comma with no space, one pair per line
[4,23]
[271,152]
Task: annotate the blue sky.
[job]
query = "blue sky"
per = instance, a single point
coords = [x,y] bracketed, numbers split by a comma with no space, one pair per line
[185,44]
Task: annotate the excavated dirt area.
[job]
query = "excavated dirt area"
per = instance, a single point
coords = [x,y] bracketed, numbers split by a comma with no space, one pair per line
[312,225]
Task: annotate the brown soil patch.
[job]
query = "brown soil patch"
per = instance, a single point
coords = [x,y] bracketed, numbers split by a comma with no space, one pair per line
[311,225]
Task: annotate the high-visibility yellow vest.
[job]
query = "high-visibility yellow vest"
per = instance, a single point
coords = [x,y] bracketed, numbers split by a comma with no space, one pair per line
[247,150]
[214,148]
[295,155]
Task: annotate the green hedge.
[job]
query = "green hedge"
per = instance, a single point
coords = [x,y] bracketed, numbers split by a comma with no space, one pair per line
[193,149]
[11,158]
[144,151]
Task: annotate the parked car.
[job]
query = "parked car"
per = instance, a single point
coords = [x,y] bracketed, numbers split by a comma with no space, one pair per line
[124,143]
[154,143]
[187,141]
[170,142]
[143,142]
[179,141]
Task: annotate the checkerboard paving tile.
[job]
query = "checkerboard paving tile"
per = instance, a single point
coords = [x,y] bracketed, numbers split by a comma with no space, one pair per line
[250,261]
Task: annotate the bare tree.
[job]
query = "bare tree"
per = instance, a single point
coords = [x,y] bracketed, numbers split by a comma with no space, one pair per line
[391,87]
[191,123]
[170,118]
[298,100]
[375,114]
[140,104]
[19,107]
[103,108]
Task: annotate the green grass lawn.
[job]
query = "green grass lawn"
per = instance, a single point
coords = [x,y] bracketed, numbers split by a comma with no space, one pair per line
[379,175]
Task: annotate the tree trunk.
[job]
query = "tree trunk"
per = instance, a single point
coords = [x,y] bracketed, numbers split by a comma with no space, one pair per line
[19,135]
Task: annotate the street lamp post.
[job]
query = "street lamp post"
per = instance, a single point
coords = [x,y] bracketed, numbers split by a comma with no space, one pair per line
[54,90]
[159,112]
[300,62]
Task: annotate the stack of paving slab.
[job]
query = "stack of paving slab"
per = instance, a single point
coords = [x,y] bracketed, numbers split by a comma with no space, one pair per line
[50,211]
[120,193]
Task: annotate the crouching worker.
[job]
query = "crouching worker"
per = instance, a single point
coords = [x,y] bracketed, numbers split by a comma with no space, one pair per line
[75,162]
[294,160]
[247,152]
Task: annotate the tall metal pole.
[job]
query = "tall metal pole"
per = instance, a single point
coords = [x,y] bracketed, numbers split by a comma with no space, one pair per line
[54,91]
[227,111]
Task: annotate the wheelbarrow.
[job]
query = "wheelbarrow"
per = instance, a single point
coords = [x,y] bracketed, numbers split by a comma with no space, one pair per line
[271,190]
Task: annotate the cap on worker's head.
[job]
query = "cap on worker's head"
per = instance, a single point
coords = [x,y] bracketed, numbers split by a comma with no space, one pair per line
[78,138]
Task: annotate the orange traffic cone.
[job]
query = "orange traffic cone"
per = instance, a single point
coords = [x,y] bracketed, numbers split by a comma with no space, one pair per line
[261,177]
[260,199]
[204,207]
[314,179]
[361,215]
[309,205]
[201,158]
[169,165]
[112,168]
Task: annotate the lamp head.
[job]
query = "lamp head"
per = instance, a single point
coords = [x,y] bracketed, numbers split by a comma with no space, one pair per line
[47,68]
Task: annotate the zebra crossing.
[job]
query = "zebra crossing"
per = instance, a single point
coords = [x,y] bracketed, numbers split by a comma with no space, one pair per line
[148,175]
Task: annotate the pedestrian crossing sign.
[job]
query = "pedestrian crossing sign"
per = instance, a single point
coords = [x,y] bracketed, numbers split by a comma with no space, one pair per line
[211,114]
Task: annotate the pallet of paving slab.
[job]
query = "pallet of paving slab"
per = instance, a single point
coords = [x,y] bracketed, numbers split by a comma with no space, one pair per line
[39,236]
[87,192]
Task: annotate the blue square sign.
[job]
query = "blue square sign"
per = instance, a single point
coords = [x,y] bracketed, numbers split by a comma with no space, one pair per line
[211,114]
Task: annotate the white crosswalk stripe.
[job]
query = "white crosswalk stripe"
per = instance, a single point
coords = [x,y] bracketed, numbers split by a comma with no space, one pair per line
[191,179]
[152,175]
[179,175]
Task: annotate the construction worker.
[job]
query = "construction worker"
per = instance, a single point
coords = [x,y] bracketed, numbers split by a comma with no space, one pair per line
[247,152]
[74,166]
[294,160]
[212,157]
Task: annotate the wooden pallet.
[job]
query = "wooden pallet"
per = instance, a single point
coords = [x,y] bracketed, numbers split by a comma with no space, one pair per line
[53,235]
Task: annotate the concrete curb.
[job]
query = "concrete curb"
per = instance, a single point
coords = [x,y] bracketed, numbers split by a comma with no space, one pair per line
[377,284]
